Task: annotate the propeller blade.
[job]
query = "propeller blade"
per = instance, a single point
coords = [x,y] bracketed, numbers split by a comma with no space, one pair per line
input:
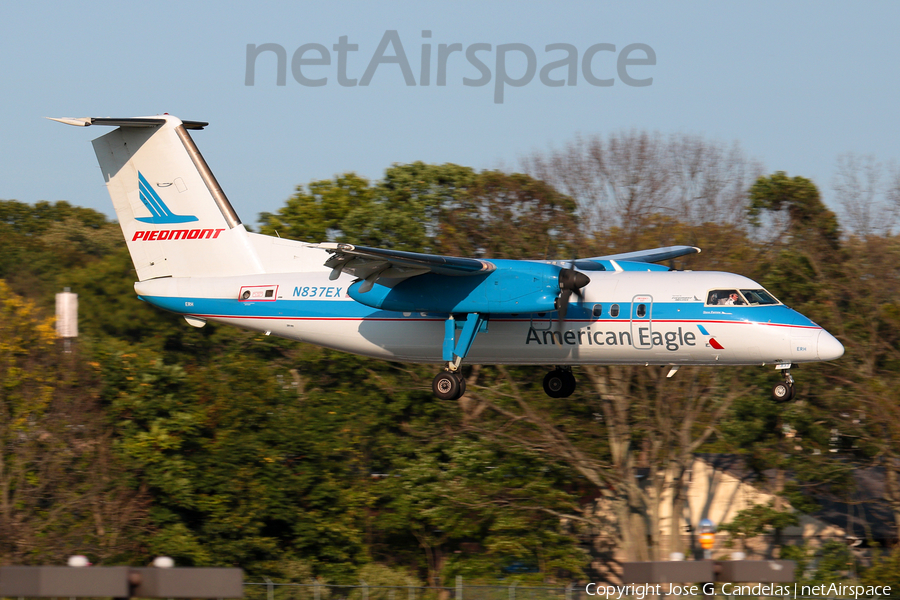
[570,282]
[562,304]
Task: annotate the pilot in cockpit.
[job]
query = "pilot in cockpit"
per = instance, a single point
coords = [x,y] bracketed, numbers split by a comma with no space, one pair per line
[732,300]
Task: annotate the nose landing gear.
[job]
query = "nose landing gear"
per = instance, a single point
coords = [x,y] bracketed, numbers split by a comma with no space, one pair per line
[449,385]
[783,392]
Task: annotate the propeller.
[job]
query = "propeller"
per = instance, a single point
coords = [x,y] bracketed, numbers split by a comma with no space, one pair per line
[570,282]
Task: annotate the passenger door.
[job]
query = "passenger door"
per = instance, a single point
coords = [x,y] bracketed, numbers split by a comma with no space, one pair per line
[642,322]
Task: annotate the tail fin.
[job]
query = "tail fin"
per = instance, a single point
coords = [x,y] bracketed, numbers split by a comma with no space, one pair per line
[176,220]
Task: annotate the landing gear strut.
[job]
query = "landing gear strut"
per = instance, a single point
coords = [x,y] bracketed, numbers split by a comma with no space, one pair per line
[784,391]
[449,385]
[559,383]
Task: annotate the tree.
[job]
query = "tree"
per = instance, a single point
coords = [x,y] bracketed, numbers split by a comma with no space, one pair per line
[505,215]
[625,180]
[400,211]
[474,508]
[631,435]
[809,220]
[445,209]
[759,519]
[40,243]
[60,487]
[871,206]
[261,453]
[317,213]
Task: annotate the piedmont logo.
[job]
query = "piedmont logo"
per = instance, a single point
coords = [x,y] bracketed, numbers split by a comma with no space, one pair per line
[162,215]
[176,234]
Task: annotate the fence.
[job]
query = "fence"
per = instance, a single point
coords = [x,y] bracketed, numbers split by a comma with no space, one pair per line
[316,591]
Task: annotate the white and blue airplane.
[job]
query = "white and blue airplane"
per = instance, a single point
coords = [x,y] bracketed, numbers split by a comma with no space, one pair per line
[193,257]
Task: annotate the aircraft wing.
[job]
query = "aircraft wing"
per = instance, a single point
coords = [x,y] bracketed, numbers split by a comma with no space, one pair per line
[389,267]
[374,264]
[650,256]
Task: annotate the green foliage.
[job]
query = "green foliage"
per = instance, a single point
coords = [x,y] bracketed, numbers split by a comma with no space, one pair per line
[40,243]
[834,562]
[378,576]
[59,492]
[38,219]
[758,519]
[225,447]
[318,213]
[798,196]
[398,212]
[445,209]
[509,216]
[469,490]
[884,570]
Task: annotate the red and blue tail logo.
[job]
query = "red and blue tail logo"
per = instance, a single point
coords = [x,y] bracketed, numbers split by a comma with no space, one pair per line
[712,340]
[161,213]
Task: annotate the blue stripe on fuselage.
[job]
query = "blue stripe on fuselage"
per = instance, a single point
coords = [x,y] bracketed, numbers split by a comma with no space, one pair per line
[345,309]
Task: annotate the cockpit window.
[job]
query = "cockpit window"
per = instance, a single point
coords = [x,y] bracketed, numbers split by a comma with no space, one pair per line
[759,297]
[725,298]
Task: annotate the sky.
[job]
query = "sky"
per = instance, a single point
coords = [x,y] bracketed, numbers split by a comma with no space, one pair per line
[795,84]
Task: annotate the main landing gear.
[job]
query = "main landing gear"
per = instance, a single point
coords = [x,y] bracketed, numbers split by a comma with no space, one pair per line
[783,392]
[459,334]
[559,383]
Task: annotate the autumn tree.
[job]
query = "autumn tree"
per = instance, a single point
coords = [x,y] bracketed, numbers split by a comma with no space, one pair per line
[60,486]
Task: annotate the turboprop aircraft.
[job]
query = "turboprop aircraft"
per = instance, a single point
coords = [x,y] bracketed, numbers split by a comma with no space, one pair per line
[194,257]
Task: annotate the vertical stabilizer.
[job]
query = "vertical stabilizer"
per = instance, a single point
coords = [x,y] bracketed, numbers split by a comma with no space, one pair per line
[176,220]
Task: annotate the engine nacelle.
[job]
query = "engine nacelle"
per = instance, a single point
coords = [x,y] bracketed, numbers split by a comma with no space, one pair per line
[513,287]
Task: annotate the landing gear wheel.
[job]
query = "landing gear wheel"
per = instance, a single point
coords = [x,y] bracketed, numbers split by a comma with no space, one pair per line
[448,386]
[462,384]
[554,384]
[782,392]
[570,384]
[559,383]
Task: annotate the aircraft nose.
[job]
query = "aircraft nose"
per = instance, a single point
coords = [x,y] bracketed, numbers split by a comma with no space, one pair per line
[828,347]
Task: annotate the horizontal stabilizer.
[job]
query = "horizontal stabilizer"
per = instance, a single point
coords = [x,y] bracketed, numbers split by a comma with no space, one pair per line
[128,122]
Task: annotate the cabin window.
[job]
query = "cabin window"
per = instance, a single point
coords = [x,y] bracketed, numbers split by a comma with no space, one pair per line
[759,297]
[270,293]
[598,310]
[725,298]
[641,311]
[614,310]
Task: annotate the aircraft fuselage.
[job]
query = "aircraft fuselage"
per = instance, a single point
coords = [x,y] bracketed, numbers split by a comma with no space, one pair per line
[632,317]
